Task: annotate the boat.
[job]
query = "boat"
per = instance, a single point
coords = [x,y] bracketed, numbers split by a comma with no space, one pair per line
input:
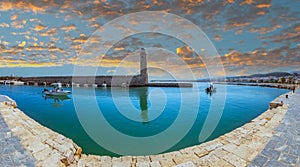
[56,91]
[210,88]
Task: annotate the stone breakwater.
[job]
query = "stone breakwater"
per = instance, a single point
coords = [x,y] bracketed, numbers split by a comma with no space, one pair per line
[236,148]
[270,85]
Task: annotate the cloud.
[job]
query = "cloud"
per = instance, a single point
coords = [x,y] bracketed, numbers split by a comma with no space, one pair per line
[13,17]
[26,6]
[24,63]
[265,30]
[61,22]
[185,52]
[68,28]
[17,24]
[286,35]
[22,44]
[49,32]
[263,5]
[40,48]
[21,33]
[39,27]
[218,37]
[238,63]
[81,39]
[4,25]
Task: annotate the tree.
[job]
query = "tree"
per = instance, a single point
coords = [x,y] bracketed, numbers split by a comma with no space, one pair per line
[291,80]
[282,80]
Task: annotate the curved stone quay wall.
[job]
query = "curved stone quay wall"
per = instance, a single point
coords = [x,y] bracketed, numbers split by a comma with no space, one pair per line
[236,148]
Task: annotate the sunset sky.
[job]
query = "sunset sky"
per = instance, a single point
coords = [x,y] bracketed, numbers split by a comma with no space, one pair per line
[44,37]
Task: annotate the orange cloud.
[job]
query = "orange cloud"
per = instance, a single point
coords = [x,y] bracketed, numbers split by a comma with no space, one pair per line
[4,25]
[24,63]
[49,32]
[81,39]
[14,17]
[26,6]
[22,44]
[264,30]
[119,49]
[263,5]
[39,27]
[184,50]
[68,28]
[247,2]
[18,24]
[261,13]
[218,38]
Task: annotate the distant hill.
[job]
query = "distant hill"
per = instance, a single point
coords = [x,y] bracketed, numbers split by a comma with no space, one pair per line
[273,74]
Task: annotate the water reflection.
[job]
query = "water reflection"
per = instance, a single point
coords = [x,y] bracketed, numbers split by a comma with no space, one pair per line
[130,102]
[143,97]
[210,93]
[56,101]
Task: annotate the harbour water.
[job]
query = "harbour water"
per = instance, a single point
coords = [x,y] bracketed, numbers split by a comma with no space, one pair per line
[149,110]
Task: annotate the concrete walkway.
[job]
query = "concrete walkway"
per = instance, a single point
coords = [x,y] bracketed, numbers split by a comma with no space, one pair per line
[12,153]
[284,147]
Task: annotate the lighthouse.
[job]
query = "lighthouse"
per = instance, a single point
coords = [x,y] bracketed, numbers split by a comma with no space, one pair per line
[143,65]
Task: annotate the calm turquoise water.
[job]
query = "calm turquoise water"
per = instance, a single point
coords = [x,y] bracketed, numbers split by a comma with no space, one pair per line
[152,110]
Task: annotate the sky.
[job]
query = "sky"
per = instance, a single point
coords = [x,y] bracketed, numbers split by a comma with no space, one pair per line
[48,37]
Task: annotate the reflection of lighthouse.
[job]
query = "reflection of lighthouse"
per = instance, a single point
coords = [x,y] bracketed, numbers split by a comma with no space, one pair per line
[143,65]
[143,95]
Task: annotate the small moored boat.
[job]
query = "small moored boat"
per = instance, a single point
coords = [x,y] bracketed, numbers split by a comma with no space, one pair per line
[210,88]
[56,91]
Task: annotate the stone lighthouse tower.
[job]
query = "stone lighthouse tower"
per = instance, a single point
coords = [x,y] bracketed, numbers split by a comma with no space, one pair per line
[143,66]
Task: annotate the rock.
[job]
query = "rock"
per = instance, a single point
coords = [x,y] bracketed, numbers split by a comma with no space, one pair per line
[78,151]
[76,157]
[65,161]
[70,156]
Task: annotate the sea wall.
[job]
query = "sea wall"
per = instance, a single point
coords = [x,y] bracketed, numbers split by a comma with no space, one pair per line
[135,80]
[270,85]
[236,148]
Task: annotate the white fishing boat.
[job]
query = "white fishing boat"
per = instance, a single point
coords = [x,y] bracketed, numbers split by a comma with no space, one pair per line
[210,88]
[56,91]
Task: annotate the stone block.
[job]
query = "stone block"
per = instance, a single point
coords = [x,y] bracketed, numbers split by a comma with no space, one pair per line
[167,162]
[185,158]
[157,157]
[155,164]
[35,146]
[221,163]
[121,164]
[230,147]
[259,160]
[213,146]
[288,159]
[234,160]
[127,158]
[43,154]
[202,162]
[143,159]
[142,164]
[186,164]
[200,152]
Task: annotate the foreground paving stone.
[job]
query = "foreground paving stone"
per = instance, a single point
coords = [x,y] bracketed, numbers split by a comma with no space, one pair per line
[284,147]
[12,153]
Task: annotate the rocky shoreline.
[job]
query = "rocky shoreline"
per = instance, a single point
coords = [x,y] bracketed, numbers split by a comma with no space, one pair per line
[236,148]
[270,85]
